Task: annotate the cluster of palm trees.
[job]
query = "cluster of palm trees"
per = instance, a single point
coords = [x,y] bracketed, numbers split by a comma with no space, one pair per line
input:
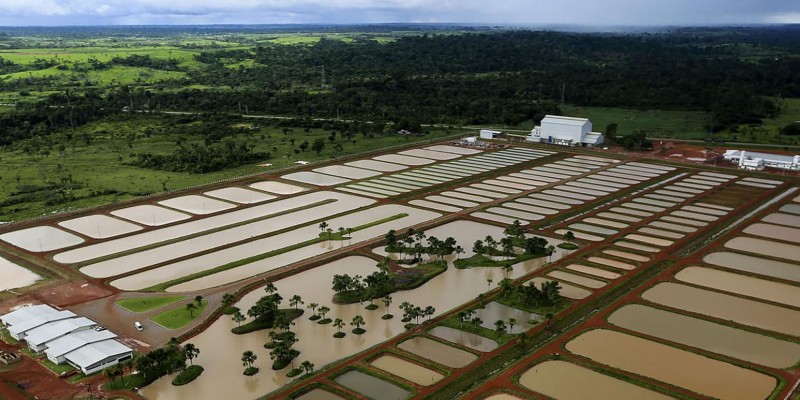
[411,311]
[412,244]
[343,232]
[194,305]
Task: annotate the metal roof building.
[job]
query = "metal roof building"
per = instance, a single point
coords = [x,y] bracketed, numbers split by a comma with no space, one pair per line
[26,319]
[38,338]
[754,160]
[58,348]
[96,356]
[566,131]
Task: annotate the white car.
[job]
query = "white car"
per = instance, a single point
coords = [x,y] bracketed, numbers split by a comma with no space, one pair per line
[138,326]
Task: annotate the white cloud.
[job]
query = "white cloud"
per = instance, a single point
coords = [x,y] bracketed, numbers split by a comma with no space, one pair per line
[585,12]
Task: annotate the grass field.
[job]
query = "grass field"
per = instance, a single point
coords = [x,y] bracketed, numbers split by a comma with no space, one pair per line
[179,317]
[657,123]
[95,156]
[142,304]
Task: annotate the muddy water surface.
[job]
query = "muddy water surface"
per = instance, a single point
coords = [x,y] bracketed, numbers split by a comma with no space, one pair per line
[376,165]
[99,226]
[407,370]
[41,238]
[346,171]
[629,256]
[741,284]
[150,215]
[463,338]
[774,231]
[755,265]
[370,386]
[277,187]
[438,352]
[15,276]
[726,307]
[240,195]
[577,279]
[566,381]
[717,338]
[782,219]
[194,204]
[494,311]
[765,247]
[319,394]
[671,365]
[594,271]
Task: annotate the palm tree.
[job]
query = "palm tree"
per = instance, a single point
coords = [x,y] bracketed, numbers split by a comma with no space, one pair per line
[549,317]
[307,366]
[270,288]
[295,301]
[462,315]
[500,326]
[339,324]
[523,339]
[228,300]
[198,300]
[238,317]
[248,358]
[358,321]
[569,236]
[313,308]
[110,373]
[511,323]
[489,282]
[387,301]
[459,251]
[191,352]
[323,226]
[191,307]
[476,322]
[550,250]
[324,310]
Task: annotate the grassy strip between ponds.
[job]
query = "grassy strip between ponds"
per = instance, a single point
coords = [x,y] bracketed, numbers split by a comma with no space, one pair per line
[179,317]
[454,323]
[187,375]
[238,263]
[567,246]
[142,304]
[407,279]
[479,260]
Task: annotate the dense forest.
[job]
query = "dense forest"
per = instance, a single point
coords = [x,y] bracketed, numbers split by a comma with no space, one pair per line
[506,77]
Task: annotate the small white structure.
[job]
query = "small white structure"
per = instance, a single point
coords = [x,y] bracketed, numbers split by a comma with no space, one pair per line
[566,131]
[489,134]
[757,161]
[38,338]
[20,322]
[96,356]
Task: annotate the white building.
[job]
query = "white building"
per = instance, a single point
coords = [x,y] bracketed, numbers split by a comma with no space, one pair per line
[39,338]
[58,348]
[757,161]
[566,131]
[96,356]
[489,134]
[25,319]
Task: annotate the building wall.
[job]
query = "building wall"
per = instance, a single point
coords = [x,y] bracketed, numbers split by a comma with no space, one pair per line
[97,367]
[563,131]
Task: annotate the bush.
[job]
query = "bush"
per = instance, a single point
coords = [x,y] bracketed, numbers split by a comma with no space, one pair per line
[568,246]
[339,335]
[188,375]
[792,129]
[230,310]
[294,372]
[266,323]
[250,371]
[371,307]
[387,316]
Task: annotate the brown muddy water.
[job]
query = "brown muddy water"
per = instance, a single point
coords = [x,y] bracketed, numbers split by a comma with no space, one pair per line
[577,279]
[99,226]
[755,265]
[774,232]
[195,204]
[594,271]
[629,256]
[379,166]
[466,339]
[765,247]
[41,238]
[15,276]
[668,364]
[150,215]
[346,171]
[741,284]
[371,387]
[407,370]
[438,352]
[240,195]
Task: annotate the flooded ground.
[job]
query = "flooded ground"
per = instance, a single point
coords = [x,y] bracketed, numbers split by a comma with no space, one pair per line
[319,394]
[755,265]
[568,291]
[784,233]
[636,246]
[345,171]
[577,279]
[673,227]
[494,311]
[206,242]
[438,352]
[41,238]
[434,206]
[466,339]
[314,178]
[99,226]
[594,271]
[615,263]
[593,229]
[405,160]
[716,338]
[150,215]
[626,255]
[277,187]
[782,219]
[726,307]
[199,205]
[240,195]
[668,364]
[376,165]
[15,276]
[432,154]
[765,247]
[453,149]
[407,370]
[581,235]
[605,222]
[649,240]
[371,387]
[741,284]
[566,381]
[618,217]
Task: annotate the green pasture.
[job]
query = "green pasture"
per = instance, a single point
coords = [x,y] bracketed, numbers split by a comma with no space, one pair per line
[142,304]
[178,317]
[657,123]
[95,157]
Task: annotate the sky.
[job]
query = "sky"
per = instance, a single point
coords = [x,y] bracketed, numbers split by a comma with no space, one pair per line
[495,12]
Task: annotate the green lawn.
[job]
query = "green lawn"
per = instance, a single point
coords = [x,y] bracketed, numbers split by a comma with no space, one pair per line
[178,317]
[657,123]
[142,304]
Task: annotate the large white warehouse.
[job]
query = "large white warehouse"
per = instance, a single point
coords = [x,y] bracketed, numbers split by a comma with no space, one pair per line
[565,131]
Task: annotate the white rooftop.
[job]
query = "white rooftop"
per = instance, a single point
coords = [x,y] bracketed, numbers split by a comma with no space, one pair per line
[37,321]
[766,156]
[558,119]
[73,341]
[52,330]
[96,352]
[25,313]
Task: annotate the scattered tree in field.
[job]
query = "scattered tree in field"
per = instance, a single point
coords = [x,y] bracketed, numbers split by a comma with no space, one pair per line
[323,226]
[459,251]
[198,300]
[339,324]
[489,282]
[511,323]
[550,250]
[476,322]
[500,327]
[569,236]
[191,307]
[228,300]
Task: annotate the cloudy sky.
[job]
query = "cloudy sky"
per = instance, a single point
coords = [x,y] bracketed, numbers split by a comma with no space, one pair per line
[512,12]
